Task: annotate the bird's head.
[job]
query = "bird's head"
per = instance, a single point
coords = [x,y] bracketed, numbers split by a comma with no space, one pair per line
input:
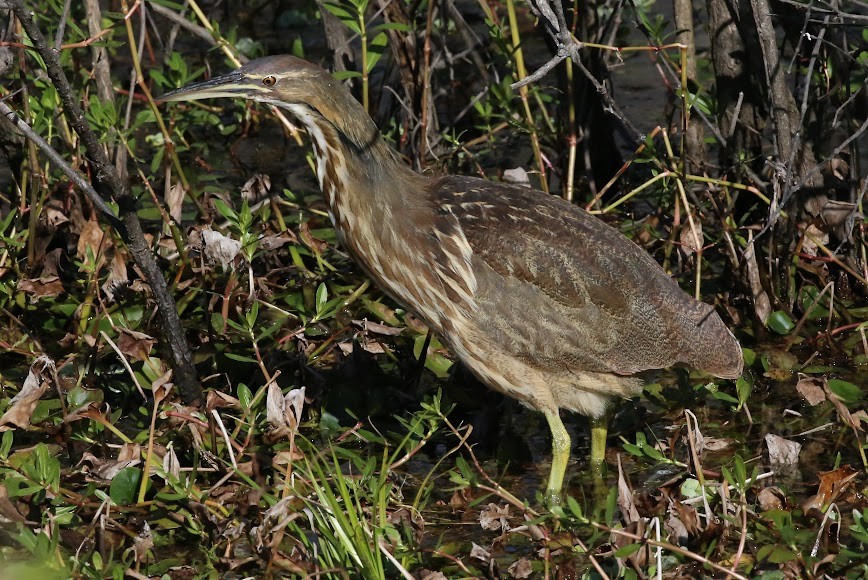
[308,91]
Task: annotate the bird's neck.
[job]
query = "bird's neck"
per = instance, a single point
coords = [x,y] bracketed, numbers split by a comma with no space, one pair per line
[358,172]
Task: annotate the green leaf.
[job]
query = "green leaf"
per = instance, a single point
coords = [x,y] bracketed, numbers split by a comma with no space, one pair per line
[628,550]
[375,50]
[245,397]
[240,358]
[322,296]
[848,392]
[575,508]
[780,322]
[346,74]
[125,485]
[349,19]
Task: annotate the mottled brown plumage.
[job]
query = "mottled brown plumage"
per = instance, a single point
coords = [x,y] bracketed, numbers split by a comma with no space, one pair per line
[541,300]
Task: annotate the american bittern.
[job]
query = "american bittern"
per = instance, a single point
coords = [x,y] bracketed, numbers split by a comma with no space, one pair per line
[540,300]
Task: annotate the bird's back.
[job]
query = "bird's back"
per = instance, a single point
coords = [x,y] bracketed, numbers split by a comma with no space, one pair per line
[555,284]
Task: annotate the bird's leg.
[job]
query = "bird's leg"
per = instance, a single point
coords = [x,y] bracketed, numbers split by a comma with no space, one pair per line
[560,455]
[599,430]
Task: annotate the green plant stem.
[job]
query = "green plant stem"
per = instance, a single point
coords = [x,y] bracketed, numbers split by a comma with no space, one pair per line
[521,71]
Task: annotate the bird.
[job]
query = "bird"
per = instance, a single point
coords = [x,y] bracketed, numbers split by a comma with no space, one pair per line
[539,299]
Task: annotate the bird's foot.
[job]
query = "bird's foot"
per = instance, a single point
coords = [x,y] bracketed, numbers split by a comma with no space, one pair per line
[553,498]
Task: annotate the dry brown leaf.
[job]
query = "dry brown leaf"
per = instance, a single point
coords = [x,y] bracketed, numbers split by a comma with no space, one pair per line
[38,288]
[162,387]
[118,277]
[811,389]
[220,249]
[517,176]
[521,568]
[171,465]
[309,240]
[677,530]
[256,188]
[629,513]
[715,444]
[107,469]
[175,201]
[832,483]
[493,517]
[143,543]
[23,404]
[8,512]
[51,264]
[220,400]
[92,241]
[842,409]
[782,452]
[479,553]
[269,243]
[283,412]
[274,520]
[771,498]
[54,217]
[135,344]
[813,236]
[761,304]
[691,239]
[458,501]
[687,515]
[378,328]
[425,574]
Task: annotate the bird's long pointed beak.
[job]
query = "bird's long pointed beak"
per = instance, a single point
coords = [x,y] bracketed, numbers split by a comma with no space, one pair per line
[232,85]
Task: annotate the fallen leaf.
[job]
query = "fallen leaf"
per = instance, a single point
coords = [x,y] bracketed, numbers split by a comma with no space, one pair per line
[715,444]
[39,288]
[378,328]
[92,243]
[811,389]
[691,236]
[521,568]
[107,469]
[812,238]
[220,400]
[517,176]
[771,498]
[493,517]
[117,277]
[23,404]
[143,543]
[479,553]
[135,344]
[171,465]
[782,452]
[256,188]
[832,483]
[51,264]
[283,412]
[175,201]
[220,249]
[841,408]
[677,530]
[761,304]
[629,513]
[8,511]
[54,217]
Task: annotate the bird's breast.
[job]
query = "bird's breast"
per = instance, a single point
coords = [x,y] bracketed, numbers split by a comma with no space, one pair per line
[424,266]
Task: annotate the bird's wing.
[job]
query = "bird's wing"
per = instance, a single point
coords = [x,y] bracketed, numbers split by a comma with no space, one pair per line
[556,282]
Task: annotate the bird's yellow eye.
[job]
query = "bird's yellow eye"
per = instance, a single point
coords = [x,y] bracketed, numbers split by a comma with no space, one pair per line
[269,81]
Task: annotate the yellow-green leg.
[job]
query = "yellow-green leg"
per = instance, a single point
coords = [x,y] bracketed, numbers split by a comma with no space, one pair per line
[599,430]
[560,456]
